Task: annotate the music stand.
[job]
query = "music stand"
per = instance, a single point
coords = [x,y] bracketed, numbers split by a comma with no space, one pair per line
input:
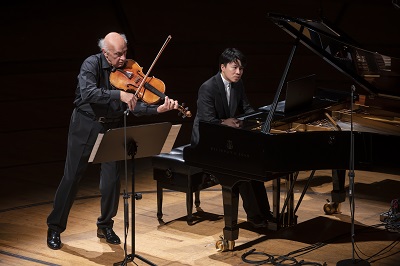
[137,142]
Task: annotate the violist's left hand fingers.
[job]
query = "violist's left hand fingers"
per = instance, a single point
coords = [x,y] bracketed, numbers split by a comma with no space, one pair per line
[174,104]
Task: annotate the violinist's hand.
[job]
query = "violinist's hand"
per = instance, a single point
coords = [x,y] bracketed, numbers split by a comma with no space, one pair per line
[168,105]
[128,98]
[232,122]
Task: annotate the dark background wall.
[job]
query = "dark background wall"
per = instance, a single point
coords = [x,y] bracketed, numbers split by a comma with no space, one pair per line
[43,44]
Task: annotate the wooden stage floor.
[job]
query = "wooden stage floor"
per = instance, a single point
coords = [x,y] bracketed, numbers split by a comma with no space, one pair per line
[26,200]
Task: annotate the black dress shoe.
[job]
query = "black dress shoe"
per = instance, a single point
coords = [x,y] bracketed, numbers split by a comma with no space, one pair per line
[53,239]
[258,222]
[109,234]
[269,216]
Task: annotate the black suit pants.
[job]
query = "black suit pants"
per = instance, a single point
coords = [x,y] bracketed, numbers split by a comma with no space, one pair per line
[255,199]
[82,135]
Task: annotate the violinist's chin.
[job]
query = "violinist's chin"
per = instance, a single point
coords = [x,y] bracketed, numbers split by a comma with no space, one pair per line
[120,64]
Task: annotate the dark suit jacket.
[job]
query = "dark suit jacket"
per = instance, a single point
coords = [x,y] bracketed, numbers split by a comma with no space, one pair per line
[212,105]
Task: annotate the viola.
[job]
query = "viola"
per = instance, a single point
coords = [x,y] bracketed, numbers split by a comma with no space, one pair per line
[149,89]
[130,79]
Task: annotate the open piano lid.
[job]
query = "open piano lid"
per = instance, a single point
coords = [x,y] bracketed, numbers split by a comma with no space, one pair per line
[378,74]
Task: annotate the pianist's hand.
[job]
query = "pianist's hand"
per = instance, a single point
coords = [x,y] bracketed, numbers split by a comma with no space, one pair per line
[231,122]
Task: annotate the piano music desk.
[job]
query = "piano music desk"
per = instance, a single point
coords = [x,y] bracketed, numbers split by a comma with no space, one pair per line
[171,172]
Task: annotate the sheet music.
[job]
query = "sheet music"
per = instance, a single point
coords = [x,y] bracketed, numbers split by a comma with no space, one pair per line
[169,142]
[148,140]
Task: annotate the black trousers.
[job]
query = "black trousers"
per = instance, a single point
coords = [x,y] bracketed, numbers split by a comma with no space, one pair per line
[255,199]
[82,135]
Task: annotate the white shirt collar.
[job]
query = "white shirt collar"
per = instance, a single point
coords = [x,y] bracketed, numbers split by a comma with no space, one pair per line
[226,83]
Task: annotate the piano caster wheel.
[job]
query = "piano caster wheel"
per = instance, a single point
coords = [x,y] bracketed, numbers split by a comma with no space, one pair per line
[224,245]
[331,208]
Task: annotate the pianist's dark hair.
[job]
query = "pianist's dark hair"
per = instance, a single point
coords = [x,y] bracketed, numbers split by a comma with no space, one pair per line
[232,55]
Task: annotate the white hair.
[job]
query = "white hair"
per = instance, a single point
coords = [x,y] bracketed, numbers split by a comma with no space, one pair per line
[102,45]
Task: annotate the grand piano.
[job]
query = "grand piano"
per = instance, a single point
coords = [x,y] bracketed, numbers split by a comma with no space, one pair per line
[339,131]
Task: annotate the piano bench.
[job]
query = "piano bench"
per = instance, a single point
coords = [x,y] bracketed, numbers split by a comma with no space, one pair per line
[171,172]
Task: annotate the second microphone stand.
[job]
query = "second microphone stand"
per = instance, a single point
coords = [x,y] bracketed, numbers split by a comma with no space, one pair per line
[352,261]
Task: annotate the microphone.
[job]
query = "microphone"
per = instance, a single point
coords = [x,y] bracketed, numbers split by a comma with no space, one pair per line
[127,111]
[396,4]
[353,89]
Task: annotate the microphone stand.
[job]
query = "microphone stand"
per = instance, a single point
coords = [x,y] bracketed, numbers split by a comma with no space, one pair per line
[351,189]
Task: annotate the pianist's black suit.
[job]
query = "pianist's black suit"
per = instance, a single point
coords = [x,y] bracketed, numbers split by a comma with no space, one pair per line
[212,106]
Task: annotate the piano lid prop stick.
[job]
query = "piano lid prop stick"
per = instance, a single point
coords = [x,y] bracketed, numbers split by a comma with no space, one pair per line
[333,122]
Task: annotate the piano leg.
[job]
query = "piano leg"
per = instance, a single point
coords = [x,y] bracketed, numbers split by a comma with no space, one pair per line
[230,197]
